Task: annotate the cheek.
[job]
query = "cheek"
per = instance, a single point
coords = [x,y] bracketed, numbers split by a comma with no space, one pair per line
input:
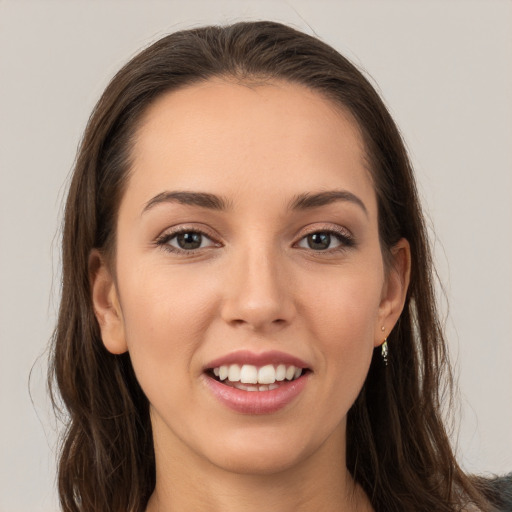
[162,301]
[165,315]
[346,308]
[342,319]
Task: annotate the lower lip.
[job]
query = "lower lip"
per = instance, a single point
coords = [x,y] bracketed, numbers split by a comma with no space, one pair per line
[257,402]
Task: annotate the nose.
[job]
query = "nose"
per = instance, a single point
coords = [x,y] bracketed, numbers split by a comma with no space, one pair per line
[259,292]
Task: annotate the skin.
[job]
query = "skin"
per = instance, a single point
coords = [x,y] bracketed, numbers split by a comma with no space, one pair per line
[254,284]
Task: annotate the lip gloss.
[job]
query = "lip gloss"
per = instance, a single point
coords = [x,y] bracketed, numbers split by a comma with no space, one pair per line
[256,402]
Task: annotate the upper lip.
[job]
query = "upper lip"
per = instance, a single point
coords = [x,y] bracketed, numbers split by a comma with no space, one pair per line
[247,357]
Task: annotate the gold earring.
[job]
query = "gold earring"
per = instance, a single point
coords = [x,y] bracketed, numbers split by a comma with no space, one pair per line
[385,351]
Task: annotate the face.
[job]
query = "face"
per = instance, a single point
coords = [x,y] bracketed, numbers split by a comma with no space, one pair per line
[250,289]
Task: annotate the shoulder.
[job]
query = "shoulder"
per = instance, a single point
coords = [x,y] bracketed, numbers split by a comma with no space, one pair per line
[498,491]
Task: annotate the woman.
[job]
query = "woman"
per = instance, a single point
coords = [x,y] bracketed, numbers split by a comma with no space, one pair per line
[248,317]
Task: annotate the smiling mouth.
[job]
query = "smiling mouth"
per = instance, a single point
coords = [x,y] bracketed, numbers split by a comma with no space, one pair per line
[248,377]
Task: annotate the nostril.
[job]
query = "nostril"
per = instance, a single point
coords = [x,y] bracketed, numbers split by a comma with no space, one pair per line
[257,299]
[239,321]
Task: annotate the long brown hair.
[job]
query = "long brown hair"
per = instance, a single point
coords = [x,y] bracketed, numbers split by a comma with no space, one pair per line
[398,448]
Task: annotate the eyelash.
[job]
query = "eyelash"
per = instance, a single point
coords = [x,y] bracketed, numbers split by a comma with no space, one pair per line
[163,241]
[343,236]
[345,239]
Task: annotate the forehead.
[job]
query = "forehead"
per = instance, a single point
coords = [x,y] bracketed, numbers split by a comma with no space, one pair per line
[230,138]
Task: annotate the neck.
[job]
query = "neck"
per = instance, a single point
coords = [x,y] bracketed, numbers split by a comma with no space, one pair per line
[320,482]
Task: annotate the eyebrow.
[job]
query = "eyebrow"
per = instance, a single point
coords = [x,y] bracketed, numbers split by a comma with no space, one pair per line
[308,200]
[202,199]
[303,201]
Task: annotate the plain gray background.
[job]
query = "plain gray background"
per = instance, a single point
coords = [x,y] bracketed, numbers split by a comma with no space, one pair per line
[443,67]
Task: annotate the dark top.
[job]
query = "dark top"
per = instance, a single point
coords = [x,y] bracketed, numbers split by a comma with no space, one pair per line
[499,492]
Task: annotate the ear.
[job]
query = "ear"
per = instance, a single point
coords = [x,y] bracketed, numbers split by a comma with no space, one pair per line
[106,304]
[394,291]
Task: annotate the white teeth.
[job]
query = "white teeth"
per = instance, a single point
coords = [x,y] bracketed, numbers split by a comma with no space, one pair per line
[223,372]
[249,374]
[234,373]
[281,372]
[248,387]
[267,374]
[290,372]
[265,377]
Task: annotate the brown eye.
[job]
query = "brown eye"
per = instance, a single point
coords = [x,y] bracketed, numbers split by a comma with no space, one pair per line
[319,241]
[189,241]
[328,240]
[185,241]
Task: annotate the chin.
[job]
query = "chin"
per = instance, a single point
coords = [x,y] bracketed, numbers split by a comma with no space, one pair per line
[259,463]
[266,455]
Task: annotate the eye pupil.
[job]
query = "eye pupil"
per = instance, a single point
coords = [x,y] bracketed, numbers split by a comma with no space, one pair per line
[319,241]
[189,240]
